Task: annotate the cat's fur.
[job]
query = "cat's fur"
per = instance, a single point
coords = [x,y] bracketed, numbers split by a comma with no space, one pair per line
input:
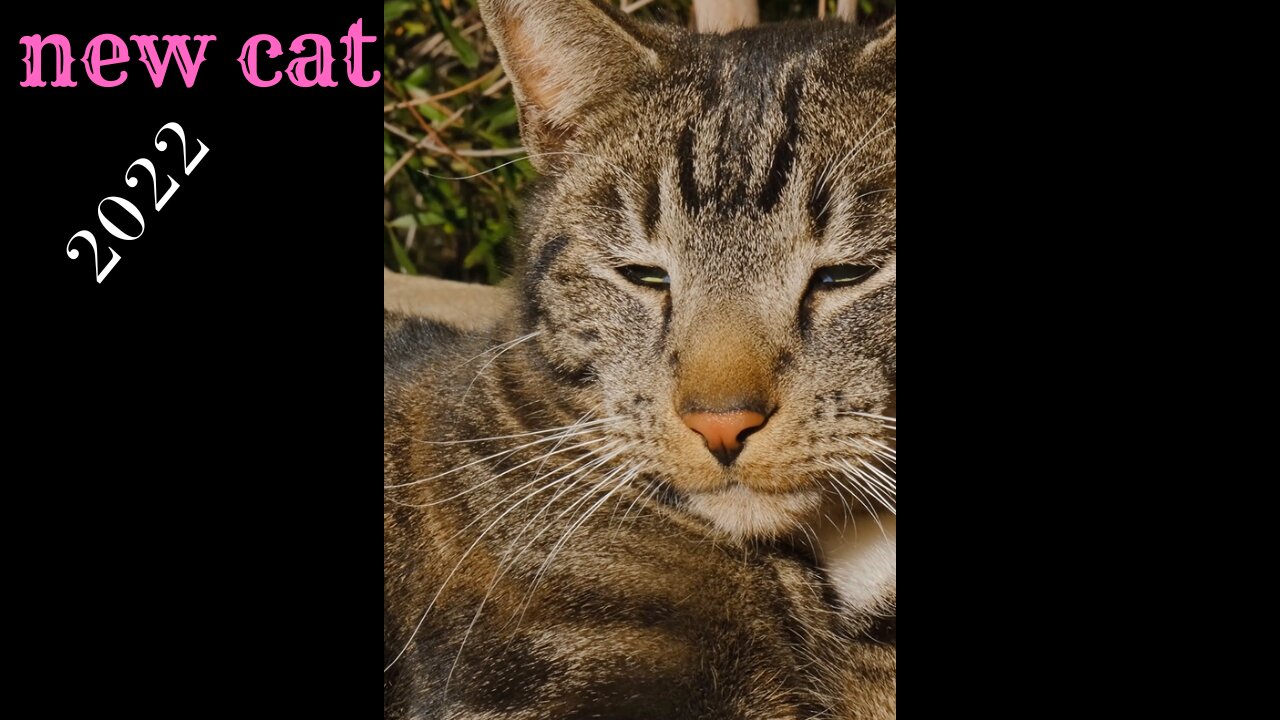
[617,569]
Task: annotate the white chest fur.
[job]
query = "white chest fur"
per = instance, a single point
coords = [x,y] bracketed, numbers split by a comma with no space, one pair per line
[862,562]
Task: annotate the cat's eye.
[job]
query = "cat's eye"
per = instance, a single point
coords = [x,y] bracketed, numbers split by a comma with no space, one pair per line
[837,276]
[652,277]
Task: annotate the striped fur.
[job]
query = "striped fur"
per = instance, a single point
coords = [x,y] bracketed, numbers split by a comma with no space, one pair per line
[614,568]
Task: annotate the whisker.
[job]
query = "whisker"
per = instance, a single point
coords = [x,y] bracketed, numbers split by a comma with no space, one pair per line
[523,434]
[533,585]
[887,457]
[810,535]
[538,470]
[621,171]
[875,516]
[873,416]
[458,565]
[852,489]
[874,489]
[862,141]
[597,453]
[889,483]
[499,354]
[504,566]
[510,451]
[623,480]
[649,488]
[868,481]
[886,448]
[848,511]
[839,529]
[832,197]
[499,346]
[510,470]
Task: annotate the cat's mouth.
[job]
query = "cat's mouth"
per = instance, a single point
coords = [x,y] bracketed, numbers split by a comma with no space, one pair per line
[742,512]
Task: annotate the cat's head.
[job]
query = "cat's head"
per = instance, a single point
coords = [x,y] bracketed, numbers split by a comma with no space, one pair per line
[712,255]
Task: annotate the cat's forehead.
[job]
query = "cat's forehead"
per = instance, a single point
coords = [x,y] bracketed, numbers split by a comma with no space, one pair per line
[755,144]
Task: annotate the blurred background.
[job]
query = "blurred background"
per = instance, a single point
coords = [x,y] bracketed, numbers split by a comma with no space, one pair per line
[448,113]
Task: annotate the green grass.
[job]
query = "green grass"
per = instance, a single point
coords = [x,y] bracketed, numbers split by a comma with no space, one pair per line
[461,229]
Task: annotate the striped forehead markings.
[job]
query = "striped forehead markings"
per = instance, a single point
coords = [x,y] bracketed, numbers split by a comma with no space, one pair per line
[730,191]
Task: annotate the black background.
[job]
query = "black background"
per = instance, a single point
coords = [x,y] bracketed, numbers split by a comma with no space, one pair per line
[275,194]
[191,525]
[196,430]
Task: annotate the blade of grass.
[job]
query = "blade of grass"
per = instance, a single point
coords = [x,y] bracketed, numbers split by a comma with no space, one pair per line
[402,257]
[466,53]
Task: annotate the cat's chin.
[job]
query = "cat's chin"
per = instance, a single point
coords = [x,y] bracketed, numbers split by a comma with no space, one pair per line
[742,513]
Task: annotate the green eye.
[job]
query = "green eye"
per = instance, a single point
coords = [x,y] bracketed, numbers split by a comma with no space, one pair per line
[652,277]
[842,275]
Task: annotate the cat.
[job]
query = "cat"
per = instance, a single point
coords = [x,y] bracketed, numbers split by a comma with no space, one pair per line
[664,487]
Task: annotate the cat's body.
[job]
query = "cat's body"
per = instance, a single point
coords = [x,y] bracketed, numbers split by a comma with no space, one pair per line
[643,613]
[559,541]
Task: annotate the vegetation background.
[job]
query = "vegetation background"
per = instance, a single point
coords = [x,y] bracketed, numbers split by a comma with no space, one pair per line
[449,114]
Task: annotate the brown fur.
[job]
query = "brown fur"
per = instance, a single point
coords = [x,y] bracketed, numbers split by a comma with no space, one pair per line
[559,544]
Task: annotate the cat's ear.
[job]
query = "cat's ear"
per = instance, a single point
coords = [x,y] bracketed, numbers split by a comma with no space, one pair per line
[878,60]
[884,48]
[564,58]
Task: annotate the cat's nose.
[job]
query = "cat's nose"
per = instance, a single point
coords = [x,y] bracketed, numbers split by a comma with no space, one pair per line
[724,431]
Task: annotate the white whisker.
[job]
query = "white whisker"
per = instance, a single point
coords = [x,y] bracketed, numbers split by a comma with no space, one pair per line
[505,347]
[498,347]
[506,565]
[463,559]
[509,451]
[543,458]
[868,415]
[621,170]
[523,434]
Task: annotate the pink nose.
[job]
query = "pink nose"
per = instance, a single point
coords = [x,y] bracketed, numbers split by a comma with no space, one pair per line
[724,431]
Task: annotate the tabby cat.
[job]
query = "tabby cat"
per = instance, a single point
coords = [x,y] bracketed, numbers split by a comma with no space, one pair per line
[664,487]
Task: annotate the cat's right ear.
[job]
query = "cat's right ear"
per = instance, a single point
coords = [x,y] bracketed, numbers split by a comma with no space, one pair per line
[884,48]
[878,61]
[564,58]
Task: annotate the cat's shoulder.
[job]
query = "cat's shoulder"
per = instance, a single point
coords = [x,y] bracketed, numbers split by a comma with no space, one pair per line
[409,341]
[417,350]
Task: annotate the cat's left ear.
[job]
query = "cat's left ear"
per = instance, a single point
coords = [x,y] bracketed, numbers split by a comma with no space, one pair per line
[565,58]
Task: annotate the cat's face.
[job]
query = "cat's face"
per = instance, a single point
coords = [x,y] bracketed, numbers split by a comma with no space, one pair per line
[712,258]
